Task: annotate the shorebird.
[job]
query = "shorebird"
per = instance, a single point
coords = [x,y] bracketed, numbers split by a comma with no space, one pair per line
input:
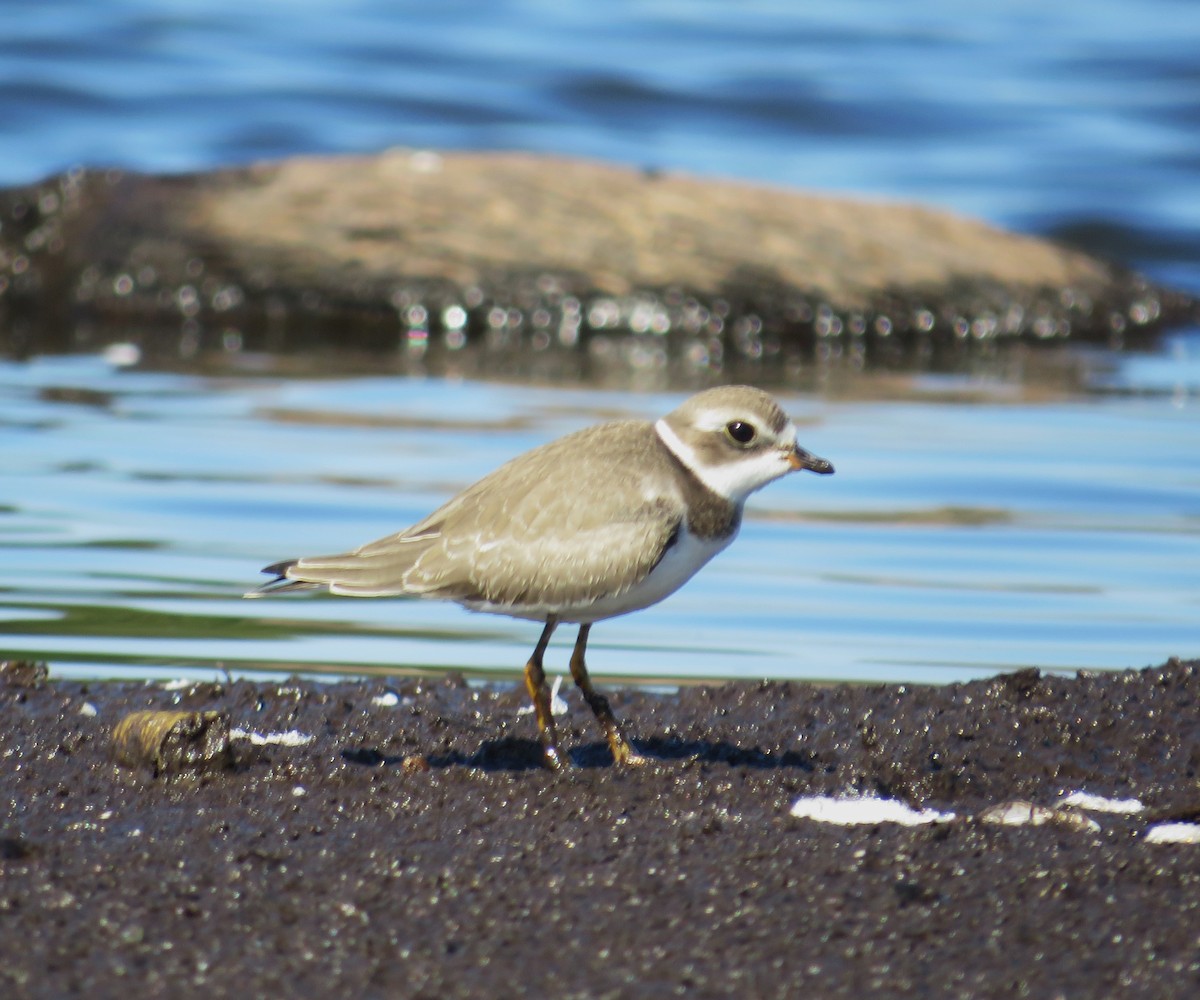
[601,522]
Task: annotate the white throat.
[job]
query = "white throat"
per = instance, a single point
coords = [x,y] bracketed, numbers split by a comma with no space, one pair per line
[734,480]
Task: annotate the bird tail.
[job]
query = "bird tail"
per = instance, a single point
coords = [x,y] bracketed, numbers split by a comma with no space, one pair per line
[282,583]
[376,570]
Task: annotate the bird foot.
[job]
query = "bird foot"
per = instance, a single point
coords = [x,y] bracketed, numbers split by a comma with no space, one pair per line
[626,756]
[552,759]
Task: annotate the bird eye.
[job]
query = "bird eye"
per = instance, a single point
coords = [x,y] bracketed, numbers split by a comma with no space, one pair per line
[740,431]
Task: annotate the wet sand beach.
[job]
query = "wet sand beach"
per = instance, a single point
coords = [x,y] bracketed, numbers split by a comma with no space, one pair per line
[397,839]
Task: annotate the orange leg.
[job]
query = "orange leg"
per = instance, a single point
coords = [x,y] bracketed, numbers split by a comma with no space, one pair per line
[622,752]
[535,683]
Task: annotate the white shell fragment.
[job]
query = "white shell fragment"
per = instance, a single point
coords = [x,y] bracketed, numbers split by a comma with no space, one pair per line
[291,738]
[1021,813]
[558,704]
[1173,833]
[1100,803]
[861,810]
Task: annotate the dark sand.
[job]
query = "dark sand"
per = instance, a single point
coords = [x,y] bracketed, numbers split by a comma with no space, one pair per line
[345,868]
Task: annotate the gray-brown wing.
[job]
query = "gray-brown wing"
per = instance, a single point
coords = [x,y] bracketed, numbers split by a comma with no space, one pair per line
[586,516]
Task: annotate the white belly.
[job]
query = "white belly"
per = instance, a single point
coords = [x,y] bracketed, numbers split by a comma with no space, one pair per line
[680,564]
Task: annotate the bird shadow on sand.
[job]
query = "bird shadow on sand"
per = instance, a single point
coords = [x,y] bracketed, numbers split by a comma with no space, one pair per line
[493,755]
[724,752]
[514,754]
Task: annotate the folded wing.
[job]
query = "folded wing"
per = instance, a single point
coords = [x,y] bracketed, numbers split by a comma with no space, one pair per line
[511,540]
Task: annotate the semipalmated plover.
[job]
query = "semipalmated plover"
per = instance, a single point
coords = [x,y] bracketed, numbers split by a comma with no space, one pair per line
[607,520]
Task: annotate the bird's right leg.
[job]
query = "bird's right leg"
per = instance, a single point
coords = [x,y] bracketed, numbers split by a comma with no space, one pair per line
[535,683]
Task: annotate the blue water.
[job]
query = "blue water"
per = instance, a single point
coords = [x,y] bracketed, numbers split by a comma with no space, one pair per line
[1036,115]
[956,539]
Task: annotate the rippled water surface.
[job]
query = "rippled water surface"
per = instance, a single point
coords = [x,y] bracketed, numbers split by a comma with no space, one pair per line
[956,539]
[971,527]
[1078,114]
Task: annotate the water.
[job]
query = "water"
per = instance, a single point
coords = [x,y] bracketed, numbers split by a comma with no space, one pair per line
[1077,114]
[955,539]
[1002,529]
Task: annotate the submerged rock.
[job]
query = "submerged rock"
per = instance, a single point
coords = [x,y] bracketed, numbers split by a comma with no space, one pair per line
[518,255]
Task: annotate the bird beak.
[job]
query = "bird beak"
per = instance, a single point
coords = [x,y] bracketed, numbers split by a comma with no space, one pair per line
[801,459]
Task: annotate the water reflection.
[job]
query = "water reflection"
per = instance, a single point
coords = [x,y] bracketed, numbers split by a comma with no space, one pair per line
[971,527]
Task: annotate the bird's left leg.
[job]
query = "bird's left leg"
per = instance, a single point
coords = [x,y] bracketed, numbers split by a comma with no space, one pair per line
[622,752]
